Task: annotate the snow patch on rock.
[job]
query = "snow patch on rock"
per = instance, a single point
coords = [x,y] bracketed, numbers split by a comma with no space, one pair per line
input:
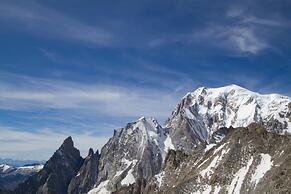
[101,189]
[129,179]
[239,178]
[159,178]
[264,166]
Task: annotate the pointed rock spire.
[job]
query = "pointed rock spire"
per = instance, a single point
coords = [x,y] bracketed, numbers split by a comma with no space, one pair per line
[68,143]
[91,152]
[57,172]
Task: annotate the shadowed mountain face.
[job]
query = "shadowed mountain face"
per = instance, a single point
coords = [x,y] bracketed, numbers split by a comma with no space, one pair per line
[197,151]
[56,173]
[87,175]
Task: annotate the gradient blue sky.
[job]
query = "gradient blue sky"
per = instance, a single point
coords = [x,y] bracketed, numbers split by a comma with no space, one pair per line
[83,68]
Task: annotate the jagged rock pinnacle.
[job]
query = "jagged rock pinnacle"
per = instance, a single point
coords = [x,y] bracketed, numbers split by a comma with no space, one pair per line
[91,152]
[68,143]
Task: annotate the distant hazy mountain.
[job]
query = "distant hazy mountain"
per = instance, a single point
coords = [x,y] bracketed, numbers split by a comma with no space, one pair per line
[11,176]
[217,140]
[19,163]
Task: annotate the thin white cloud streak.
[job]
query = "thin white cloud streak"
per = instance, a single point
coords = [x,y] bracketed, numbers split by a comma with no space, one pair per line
[234,12]
[50,23]
[267,22]
[27,93]
[234,38]
[245,18]
[40,145]
[74,105]
[239,32]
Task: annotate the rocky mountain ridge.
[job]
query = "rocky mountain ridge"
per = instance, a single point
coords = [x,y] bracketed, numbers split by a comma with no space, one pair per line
[57,172]
[202,112]
[144,157]
[247,160]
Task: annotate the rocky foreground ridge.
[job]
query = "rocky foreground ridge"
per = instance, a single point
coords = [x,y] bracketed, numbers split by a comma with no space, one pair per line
[217,140]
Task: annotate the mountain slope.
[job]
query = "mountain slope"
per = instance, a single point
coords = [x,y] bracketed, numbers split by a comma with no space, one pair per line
[87,175]
[204,111]
[247,160]
[197,151]
[136,151]
[56,173]
[195,122]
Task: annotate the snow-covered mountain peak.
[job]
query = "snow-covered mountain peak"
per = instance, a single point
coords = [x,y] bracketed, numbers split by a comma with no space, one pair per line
[152,134]
[130,150]
[5,168]
[205,110]
[143,125]
[142,118]
[220,91]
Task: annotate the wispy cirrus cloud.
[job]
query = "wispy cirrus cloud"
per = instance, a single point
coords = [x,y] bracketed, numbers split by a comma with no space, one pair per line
[59,108]
[47,22]
[238,31]
[243,17]
[239,39]
[41,144]
[30,93]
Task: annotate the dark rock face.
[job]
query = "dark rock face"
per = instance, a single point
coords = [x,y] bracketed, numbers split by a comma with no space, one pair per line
[57,173]
[87,175]
[247,160]
[174,159]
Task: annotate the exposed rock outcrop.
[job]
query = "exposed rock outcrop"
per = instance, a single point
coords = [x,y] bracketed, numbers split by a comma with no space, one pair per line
[87,175]
[133,152]
[219,140]
[56,174]
[248,160]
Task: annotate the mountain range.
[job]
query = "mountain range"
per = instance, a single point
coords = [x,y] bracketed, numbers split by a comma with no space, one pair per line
[11,176]
[217,140]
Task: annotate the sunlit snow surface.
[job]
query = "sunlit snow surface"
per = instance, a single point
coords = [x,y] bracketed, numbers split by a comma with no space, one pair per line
[101,189]
[236,106]
[152,132]
[264,166]
[4,168]
[160,177]
[129,179]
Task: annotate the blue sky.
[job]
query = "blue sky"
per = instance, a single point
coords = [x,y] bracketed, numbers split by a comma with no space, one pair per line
[84,68]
